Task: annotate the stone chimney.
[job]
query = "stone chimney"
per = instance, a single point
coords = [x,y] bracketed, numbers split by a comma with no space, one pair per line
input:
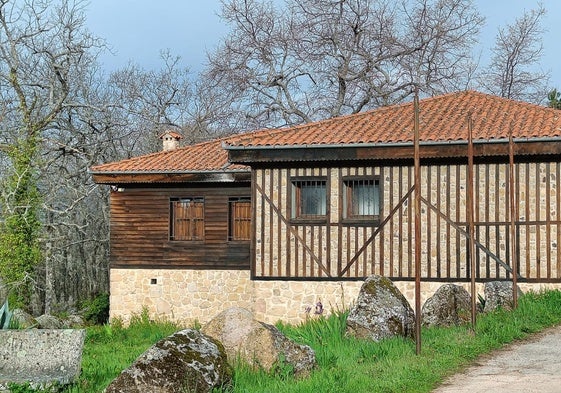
[170,140]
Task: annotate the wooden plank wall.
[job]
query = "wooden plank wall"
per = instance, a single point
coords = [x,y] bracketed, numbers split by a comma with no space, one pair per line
[140,229]
[334,250]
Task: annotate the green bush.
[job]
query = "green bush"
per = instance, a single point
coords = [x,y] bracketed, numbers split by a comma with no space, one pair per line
[96,310]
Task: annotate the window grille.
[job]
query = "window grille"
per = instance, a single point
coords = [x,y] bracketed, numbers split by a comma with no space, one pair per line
[361,198]
[309,198]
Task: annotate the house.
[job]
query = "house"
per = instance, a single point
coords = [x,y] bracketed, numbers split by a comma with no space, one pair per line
[278,220]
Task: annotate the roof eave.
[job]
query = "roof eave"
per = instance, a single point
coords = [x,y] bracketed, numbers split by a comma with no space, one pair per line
[386,144]
[390,151]
[123,177]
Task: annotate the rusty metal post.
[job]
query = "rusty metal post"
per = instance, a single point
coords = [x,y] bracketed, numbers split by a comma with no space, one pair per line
[417,202]
[470,217]
[513,210]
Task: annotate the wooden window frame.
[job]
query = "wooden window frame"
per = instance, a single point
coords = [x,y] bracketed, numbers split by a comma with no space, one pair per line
[194,225]
[347,215]
[239,227]
[295,194]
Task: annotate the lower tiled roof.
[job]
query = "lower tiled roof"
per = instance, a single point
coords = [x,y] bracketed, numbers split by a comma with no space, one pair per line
[201,157]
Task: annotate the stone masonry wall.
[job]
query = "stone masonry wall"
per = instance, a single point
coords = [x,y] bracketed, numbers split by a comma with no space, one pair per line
[181,295]
[301,250]
[187,296]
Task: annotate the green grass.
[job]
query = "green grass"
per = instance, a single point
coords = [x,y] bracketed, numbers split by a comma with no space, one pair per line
[109,349]
[345,364]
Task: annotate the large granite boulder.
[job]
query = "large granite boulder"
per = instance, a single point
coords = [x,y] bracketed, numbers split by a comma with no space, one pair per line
[187,361]
[498,294]
[450,305]
[74,321]
[47,321]
[258,344]
[44,358]
[381,311]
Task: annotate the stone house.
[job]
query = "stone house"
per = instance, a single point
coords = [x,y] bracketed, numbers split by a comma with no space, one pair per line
[279,220]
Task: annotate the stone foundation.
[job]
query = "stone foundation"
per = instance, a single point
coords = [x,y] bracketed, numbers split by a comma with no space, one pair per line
[181,295]
[189,296]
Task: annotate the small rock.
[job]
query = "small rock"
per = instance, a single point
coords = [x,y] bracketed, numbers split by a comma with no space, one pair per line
[23,319]
[499,294]
[450,305]
[47,321]
[74,321]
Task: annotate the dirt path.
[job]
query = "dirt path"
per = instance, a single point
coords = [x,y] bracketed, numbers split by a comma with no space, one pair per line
[532,365]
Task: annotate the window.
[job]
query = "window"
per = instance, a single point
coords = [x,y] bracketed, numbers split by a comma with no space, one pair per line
[187,219]
[239,218]
[309,198]
[361,198]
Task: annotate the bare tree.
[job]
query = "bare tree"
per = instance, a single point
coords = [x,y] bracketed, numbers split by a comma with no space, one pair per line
[60,116]
[513,71]
[42,48]
[151,101]
[110,119]
[315,59]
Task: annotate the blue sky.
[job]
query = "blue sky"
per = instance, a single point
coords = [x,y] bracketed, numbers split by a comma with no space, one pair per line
[138,30]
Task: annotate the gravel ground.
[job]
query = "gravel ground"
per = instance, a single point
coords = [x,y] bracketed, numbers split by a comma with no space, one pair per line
[532,365]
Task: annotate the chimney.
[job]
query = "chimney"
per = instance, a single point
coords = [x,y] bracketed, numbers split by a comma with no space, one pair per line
[170,140]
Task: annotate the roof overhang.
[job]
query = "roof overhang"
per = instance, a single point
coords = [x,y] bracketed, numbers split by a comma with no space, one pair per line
[390,151]
[127,177]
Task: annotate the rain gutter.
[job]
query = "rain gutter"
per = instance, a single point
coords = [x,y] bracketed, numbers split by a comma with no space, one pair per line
[391,144]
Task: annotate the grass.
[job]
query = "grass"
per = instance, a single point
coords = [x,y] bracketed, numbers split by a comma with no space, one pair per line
[345,364]
[109,349]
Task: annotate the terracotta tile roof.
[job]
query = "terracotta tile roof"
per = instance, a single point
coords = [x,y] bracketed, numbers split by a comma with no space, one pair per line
[201,157]
[442,118]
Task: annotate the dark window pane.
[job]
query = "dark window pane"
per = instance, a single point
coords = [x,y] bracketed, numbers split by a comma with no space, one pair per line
[361,198]
[309,198]
[313,199]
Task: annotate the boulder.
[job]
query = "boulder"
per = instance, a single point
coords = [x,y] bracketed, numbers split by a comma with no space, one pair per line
[258,344]
[47,321]
[23,319]
[499,294]
[450,305]
[187,361]
[381,311]
[44,358]
[74,321]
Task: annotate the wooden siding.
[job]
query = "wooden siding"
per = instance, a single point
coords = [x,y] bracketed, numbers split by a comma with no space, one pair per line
[140,226]
[335,250]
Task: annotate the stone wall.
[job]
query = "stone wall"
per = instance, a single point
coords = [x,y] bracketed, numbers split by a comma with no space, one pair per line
[187,296]
[284,247]
[181,295]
